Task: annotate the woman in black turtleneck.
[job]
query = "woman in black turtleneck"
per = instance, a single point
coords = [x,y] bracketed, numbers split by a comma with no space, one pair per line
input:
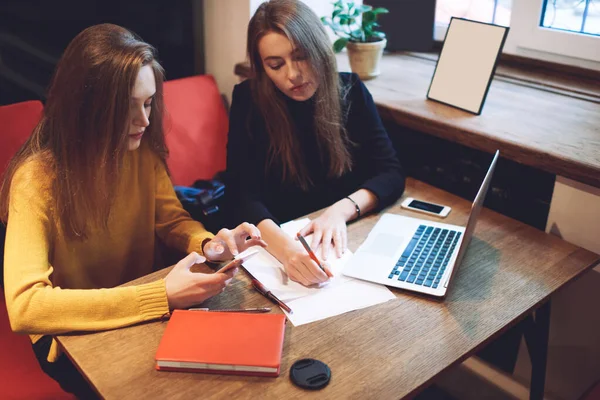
[304,137]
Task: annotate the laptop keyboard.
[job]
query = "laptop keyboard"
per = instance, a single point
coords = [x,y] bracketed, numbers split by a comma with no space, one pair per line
[426,257]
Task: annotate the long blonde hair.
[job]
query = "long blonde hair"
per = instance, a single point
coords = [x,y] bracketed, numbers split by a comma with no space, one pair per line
[303,28]
[82,135]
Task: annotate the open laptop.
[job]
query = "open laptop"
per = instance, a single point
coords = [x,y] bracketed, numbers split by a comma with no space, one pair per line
[416,254]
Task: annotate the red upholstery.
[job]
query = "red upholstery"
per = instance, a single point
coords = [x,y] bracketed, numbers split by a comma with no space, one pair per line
[196,125]
[21,375]
[16,123]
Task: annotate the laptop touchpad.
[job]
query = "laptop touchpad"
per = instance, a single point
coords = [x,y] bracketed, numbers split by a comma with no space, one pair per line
[384,244]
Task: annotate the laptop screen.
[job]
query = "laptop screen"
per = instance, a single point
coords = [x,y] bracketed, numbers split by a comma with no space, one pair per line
[475,209]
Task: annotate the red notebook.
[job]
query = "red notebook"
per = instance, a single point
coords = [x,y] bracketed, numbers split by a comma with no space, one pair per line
[222,342]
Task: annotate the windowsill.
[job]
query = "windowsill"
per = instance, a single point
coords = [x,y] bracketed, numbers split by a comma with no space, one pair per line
[545,75]
[539,114]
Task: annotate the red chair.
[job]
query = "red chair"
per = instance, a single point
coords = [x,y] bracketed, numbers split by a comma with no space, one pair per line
[20,373]
[196,125]
[16,123]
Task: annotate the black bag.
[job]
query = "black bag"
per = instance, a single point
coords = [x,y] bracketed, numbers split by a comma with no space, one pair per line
[204,202]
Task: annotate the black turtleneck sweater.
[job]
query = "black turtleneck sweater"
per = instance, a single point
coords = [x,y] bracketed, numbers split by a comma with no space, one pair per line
[254,193]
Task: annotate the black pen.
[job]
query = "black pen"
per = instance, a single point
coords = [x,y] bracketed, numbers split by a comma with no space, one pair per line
[265,292]
[248,310]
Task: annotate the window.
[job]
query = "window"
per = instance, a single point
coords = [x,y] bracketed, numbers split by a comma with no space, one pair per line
[581,16]
[493,11]
[557,28]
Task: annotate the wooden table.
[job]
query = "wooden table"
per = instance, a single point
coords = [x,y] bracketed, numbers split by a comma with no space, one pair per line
[553,126]
[391,350]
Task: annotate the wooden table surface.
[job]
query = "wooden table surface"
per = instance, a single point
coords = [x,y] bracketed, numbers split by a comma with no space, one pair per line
[391,350]
[553,125]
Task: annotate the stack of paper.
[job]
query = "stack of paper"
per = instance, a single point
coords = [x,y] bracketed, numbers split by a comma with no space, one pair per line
[341,294]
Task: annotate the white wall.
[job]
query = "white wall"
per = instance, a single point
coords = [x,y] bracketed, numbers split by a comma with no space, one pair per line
[225,24]
[574,343]
[575,213]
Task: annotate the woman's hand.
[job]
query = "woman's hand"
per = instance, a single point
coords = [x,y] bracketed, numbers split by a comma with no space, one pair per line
[301,268]
[185,288]
[229,243]
[328,227]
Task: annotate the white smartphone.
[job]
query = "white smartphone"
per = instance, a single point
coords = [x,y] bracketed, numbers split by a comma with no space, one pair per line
[425,207]
[237,261]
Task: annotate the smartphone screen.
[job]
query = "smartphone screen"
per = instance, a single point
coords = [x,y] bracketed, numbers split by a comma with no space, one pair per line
[237,261]
[421,205]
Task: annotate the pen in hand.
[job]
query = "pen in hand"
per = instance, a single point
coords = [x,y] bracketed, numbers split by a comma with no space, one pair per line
[312,254]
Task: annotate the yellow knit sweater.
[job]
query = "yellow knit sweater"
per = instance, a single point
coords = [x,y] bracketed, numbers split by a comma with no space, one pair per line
[54,285]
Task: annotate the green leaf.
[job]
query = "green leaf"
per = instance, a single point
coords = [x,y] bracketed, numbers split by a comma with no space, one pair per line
[364,8]
[378,34]
[380,10]
[369,16]
[358,34]
[344,20]
[339,44]
[336,13]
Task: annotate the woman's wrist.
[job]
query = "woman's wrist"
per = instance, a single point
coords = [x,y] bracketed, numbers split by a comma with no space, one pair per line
[347,209]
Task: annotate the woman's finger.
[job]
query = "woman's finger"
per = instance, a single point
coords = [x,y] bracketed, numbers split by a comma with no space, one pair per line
[307,230]
[327,269]
[227,236]
[344,239]
[338,243]
[229,274]
[327,236]
[313,272]
[252,242]
[297,275]
[316,239]
[190,260]
[246,229]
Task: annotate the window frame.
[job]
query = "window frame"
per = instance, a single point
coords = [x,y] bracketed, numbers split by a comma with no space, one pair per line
[528,34]
[526,37]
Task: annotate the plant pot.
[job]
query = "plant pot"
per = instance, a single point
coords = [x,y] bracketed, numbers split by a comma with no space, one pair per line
[364,58]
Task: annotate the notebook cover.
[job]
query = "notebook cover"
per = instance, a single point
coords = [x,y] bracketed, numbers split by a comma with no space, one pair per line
[226,339]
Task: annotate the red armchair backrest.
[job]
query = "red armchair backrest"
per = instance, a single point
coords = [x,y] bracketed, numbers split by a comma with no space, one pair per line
[196,125]
[16,124]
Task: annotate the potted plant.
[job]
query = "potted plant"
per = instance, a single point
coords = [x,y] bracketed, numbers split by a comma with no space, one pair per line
[356,24]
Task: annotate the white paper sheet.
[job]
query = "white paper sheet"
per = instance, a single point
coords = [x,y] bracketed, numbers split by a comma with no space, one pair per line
[310,304]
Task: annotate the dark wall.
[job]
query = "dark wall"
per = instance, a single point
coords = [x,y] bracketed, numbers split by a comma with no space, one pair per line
[518,191]
[33,35]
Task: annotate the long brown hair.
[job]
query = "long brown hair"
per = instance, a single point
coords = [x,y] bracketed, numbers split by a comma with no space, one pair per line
[302,27]
[82,135]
